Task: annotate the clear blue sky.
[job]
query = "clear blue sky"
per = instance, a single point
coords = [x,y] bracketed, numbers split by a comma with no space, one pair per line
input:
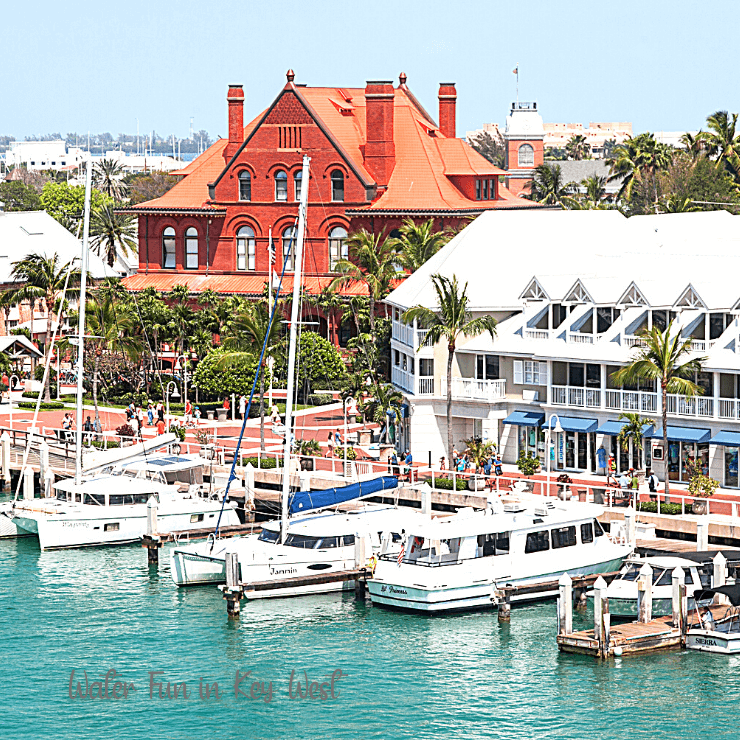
[84,65]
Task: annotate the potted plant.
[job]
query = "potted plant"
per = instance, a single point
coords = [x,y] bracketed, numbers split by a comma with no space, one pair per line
[564,482]
[702,487]
[479,452]
[528,466]
[308,449]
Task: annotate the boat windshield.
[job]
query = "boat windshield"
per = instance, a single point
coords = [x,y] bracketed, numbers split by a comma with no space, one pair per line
[318,543]
[267,535]
[188,476]
[95,498]
[130,498]
[661,576]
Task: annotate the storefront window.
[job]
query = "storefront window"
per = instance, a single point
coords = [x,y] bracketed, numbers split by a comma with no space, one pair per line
[731,467]
[532,443]
[686,459]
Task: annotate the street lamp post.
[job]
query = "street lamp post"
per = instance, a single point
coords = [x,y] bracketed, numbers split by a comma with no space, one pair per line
[10,396]
[175,394]
[548,434]
[184,368]
[346,406]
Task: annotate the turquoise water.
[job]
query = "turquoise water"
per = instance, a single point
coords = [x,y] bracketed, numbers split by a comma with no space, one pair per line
[406,677]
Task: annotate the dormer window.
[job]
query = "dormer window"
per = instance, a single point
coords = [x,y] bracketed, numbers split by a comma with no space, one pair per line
[337,186]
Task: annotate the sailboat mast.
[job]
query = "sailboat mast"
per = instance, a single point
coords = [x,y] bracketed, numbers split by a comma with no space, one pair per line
[294,319]
[81,327]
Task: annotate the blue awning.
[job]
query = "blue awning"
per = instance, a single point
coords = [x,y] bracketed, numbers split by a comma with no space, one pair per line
[615,427]
[575,424]
[525,418]
[728,439]
[684,434]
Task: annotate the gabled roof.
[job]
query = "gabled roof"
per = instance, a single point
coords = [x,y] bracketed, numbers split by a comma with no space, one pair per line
[425,158]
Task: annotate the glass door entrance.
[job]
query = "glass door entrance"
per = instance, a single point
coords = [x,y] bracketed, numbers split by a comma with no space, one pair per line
[574,450]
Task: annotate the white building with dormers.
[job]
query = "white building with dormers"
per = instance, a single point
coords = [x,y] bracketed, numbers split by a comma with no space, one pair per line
[570,291]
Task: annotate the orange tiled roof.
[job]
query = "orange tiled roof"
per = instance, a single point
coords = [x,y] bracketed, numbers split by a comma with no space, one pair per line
[424,157]
[251,285]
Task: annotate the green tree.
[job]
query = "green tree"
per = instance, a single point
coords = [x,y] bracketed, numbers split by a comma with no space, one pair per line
[212,381]
[638,159]
[450,321]
[663,357]
[418,242]
[150,186]
[578,148]
[595,188]
[112,233]
[547,186]
[723,141]
[17,196]
[107,176]
[43,277]
[632,431]
[384,407]
[491,146]
[66,203]
[251,328]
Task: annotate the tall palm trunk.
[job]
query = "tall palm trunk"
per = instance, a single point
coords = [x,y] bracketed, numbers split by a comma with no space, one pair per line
[96,370]
[47,388]
[450,356]
[664,393]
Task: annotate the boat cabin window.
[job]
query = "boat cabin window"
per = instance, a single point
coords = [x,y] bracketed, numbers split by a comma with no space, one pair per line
[587,533]
[61,495]
[95,498]
[537,541]
[188,476]
[153,475]
[268,535]
[349,539]
[302,540]
[127,499]
[665,579]
[563,537]
[598,529]
[493,544]
[329,542]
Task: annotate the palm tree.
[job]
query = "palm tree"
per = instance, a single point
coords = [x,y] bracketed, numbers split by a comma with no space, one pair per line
[638,158]
[111,325]
[595,188]
[418,242]
[111,233]
[384,407]
[43,277]
[450,321]
[723,140]
[244,335]
[577,147]
[632,430]
[546,185]
[7,301]
[678,204]
[663,357]
[107,177]
[695,145]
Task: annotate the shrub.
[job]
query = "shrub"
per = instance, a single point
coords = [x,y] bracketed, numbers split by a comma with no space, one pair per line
[125,430]
[702,486]
[215,381]
[310,447]
[101,445]
[179,431]
[351,453]
[651,507]
[445,484]
[267,463]
[319,399]
[318,362]
[527,465]
[45,405]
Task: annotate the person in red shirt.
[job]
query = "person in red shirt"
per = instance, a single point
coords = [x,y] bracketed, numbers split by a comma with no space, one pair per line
[160,426]
[227,403]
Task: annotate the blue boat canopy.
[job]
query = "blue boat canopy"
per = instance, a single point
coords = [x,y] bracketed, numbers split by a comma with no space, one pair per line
[309,500]
[615,427]
[574,424]
[684,434]
[728,439]
[525,418]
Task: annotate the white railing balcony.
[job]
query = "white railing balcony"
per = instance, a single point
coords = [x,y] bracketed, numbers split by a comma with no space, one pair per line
[729,408]
[426,387]
[702,345]
[641,401]
[421,338]
[476,390]
[697,406]
[632,341]
[403,333]
[536,333]
[568,395]
[402,379]
[575,337]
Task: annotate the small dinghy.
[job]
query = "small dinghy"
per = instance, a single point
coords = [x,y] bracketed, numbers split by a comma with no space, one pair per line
[717,630]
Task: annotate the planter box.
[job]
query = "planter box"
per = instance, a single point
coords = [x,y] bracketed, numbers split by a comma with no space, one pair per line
[366,437]
[477,482]
[222,414]
[209,413]
[700,506]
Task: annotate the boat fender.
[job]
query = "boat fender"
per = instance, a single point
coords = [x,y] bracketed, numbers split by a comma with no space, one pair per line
[372,564]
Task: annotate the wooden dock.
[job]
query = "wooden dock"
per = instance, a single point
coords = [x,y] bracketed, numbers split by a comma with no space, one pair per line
[339,576]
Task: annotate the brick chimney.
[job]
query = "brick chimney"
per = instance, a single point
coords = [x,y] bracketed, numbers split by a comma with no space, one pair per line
[235,99]
[380,148]
[447,104]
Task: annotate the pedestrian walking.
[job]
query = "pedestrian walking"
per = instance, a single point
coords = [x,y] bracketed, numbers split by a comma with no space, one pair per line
[242,406]
[330,445]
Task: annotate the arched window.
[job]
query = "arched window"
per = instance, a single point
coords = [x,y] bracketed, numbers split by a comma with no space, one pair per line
[289,247]
[337,246]
[191,249]
[168,248]
[526,156]
[337,186]
[245,249]
[281,185]
[297,180]
[245,186]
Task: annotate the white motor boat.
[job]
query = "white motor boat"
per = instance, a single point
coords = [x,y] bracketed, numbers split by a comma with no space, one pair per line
[459,563]
[622,591]
[716,630]
[112,510]
[315,543]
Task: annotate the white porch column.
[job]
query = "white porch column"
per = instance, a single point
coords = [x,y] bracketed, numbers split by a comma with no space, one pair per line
[602,393]
[715,388]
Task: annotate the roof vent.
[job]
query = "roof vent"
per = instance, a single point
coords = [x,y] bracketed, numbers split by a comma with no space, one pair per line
[541,511]
[514,508]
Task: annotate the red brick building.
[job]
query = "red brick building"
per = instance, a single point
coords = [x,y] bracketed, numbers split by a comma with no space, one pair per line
[377,157]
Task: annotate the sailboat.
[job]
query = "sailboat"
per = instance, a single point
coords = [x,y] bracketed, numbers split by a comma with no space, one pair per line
[313,540]
[109,508]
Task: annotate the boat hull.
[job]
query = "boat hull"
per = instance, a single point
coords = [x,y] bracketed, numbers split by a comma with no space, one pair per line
[710,641]
[10,527]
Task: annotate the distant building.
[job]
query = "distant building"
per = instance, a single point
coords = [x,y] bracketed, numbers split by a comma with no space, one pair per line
[524,137]
[44,155]
[577,171]
[557,135]
[141,162]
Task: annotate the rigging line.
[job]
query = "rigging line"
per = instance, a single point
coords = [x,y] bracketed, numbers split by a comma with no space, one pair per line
[232,476]
[46,376]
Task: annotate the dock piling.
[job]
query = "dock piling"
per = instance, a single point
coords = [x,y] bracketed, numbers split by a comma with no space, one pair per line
[719,570]
[702,536]
[151,540]
[233,590]
[629,525]
[565,605]
[676,583]
[645,594]
[606,625]
[28,483]
[504,607]
[5,444]
[599,597]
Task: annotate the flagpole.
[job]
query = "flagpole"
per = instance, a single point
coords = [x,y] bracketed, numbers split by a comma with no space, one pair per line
[517,85]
